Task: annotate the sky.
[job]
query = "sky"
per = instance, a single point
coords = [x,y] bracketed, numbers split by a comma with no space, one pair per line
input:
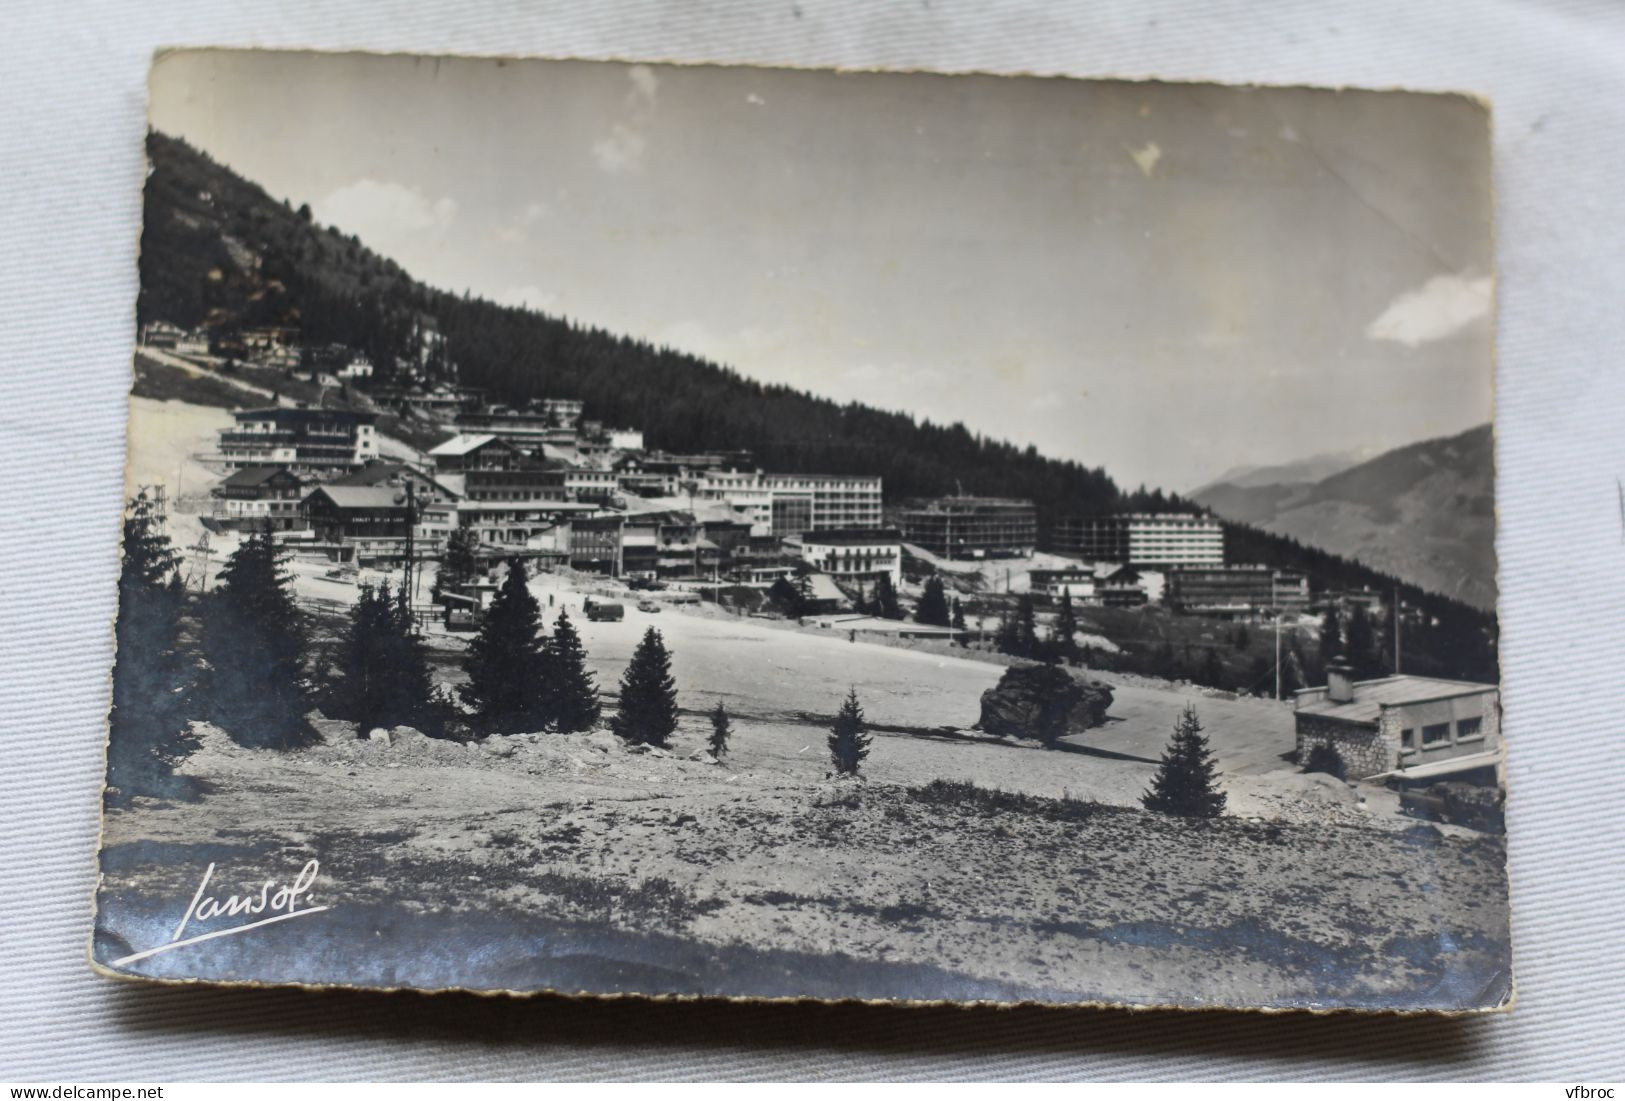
[1164,280]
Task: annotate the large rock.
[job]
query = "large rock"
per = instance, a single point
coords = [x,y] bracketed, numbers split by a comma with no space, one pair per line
[1044,702]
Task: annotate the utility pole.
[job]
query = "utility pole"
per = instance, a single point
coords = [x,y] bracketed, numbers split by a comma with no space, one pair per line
[203,548]
[1396,630]
[1277,655]
[408,588]
[1274,609]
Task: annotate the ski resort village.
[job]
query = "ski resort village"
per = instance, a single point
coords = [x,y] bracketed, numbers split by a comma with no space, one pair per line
[533,664]
[601,519]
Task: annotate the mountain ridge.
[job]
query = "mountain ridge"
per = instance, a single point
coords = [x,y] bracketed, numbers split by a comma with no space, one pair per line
[218,251]
[1424,512]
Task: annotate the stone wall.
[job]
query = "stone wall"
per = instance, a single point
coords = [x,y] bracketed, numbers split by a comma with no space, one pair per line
[1365,750]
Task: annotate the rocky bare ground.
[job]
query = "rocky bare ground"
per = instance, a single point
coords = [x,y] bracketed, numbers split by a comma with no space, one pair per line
[1015,895]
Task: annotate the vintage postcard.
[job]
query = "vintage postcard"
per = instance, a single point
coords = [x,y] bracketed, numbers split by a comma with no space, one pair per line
[617,528]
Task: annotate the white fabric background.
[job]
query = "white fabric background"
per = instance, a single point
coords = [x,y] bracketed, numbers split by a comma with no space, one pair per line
[71,125]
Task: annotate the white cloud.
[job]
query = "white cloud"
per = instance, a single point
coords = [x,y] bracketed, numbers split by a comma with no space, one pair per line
[644,84]
[518,231]
[621,150]
[382,212]
[1439,308]
[1146,157]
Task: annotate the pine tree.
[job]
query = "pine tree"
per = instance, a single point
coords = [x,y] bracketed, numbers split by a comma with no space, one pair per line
[573,702]
[849,737]
[648,710]
[721,729]
[885,603]
[1331,636]
[1211,672]
[933,607]
[1026,628]
[148,730]
[1186,783]
[254,641]
[506,663]
[381,667]
[1007,637]
[459,565]
[1363,651]
[1066,628]
[786,596]
[958,621]
[1242,639]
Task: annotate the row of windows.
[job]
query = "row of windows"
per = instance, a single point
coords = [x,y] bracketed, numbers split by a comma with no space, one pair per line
[1437,735]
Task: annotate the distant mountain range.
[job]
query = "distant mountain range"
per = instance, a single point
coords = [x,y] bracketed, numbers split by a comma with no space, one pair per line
[1312,469]
[1424,513]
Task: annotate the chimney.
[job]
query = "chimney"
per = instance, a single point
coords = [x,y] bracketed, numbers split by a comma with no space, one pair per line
[1340,682]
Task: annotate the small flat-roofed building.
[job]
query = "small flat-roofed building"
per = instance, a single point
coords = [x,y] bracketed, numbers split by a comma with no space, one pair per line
[856,554]
[1408,728]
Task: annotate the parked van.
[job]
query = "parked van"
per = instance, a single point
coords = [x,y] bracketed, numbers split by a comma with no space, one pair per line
[603,611]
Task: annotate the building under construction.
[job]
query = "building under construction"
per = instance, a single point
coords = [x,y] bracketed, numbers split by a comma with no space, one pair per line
[972,527]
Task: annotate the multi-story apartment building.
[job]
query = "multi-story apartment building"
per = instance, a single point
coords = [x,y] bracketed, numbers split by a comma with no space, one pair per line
[1141,538]
[790,504]
[509,522]
[1076,583]
[359,524]
[595,543]
[857,554]
[664,474]
[257,496]
[528,483]
[586,484]
[318,441]
[1236,590]
[547,422]
[972,527]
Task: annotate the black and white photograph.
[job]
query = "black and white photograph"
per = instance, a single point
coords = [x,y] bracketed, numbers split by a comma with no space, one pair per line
[618,528]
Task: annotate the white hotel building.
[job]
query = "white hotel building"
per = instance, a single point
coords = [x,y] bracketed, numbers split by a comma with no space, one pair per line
[790,504]
[1142,538]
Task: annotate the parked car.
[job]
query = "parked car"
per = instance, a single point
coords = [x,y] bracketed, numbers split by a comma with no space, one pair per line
[648,606]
